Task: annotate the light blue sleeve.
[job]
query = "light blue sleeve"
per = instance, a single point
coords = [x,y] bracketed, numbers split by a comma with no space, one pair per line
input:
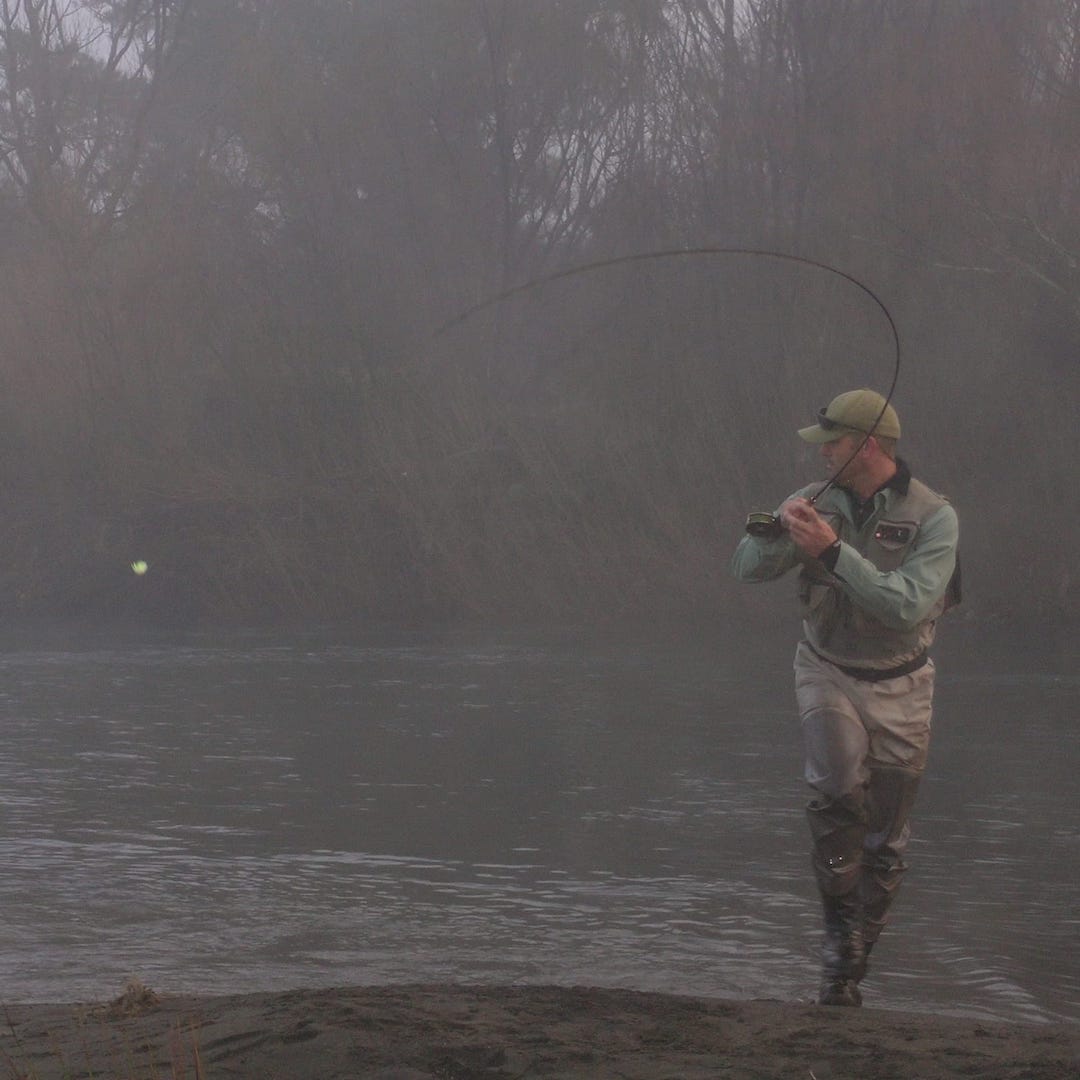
[766,560]
[763,560]
[905,597]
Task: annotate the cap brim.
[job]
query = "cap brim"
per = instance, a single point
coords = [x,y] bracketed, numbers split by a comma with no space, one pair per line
[818,434]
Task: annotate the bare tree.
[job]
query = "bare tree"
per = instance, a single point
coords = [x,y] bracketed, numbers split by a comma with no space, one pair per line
[77,82]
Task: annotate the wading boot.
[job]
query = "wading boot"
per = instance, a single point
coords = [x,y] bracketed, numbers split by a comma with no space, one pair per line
[843,953]
[877,890]
[889,799]
[838,827]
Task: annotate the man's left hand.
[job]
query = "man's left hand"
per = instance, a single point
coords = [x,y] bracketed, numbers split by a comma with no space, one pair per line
[810,531]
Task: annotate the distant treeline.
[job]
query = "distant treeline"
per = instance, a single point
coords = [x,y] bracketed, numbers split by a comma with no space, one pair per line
[237,239]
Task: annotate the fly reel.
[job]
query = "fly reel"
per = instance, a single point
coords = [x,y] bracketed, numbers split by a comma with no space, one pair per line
[764,526]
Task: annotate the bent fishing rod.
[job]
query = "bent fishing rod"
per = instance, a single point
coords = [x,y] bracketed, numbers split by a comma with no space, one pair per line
[764,525]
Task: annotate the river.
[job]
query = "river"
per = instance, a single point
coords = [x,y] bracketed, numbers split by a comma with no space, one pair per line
[220,812]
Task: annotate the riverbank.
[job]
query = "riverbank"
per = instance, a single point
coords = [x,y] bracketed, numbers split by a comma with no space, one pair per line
[504,1033]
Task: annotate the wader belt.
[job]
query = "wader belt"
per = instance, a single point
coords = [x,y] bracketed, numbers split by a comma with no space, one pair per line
[876,674]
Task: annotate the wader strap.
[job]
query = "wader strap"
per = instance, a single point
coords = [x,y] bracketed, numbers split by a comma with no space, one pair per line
[876,674]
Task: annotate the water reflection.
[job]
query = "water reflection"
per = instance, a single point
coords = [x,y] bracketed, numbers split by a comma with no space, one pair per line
[218,815]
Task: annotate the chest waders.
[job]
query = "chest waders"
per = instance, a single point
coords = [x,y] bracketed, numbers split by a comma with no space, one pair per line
[864,724]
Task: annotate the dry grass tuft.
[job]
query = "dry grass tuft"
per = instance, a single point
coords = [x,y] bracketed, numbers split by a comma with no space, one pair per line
[136,1000]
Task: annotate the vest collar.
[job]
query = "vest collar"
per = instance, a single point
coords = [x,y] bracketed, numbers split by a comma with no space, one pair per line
[899,482]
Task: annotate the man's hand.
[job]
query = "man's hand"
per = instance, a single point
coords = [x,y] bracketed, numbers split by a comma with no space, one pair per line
[811,533]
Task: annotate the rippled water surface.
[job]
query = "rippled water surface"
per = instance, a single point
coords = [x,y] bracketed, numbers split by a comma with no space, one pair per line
[262,812]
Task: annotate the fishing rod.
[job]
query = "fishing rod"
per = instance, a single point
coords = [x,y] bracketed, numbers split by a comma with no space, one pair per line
[768,526]
[765,525]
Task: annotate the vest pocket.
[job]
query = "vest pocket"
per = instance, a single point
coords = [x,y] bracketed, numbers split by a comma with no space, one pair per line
[813,594]
[891,542]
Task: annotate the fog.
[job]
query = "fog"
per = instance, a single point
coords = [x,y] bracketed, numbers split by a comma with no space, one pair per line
[283,313]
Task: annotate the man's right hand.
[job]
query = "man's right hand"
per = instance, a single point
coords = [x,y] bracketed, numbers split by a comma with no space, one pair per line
[810,531]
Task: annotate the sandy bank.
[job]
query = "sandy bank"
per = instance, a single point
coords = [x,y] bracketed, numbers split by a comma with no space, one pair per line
[499,1033]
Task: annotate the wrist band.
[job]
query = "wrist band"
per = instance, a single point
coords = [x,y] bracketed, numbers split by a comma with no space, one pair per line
[829,556]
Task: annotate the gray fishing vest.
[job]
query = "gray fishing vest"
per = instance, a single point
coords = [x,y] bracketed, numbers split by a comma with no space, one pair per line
[835,626]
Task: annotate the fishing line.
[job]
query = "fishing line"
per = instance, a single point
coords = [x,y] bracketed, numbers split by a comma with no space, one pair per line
[766,525]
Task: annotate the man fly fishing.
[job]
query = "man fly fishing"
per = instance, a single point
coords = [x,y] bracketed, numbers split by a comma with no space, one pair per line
[876,552]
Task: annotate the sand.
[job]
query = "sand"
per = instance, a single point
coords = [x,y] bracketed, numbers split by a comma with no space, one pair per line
[504,1032]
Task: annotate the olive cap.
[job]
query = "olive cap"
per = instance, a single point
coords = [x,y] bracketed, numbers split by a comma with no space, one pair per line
[862,411]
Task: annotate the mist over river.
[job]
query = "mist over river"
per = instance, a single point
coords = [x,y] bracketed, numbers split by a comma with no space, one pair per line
[239,811]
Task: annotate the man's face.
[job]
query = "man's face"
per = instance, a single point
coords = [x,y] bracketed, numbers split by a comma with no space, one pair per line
[839,464]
